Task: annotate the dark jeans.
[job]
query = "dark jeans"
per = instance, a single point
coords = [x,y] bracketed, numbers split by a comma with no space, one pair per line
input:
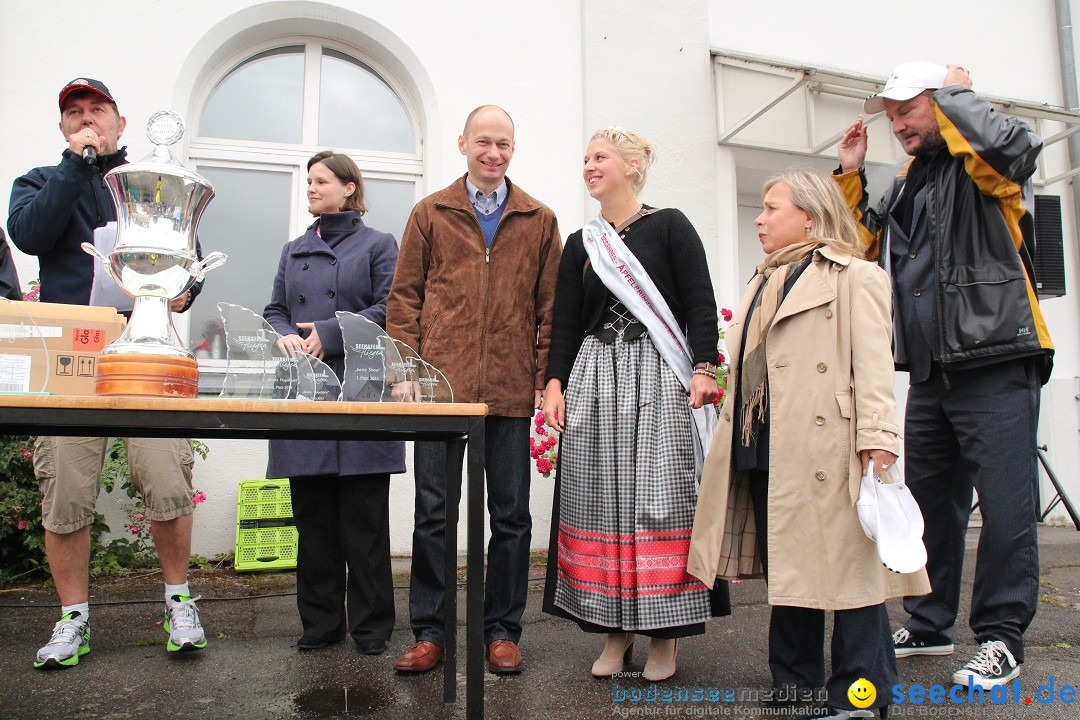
[978,432]
[343,561]
[506,469]
[861,640]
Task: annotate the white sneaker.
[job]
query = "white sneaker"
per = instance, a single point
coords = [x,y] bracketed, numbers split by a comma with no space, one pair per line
[992,665]
[70,640]
[182,624]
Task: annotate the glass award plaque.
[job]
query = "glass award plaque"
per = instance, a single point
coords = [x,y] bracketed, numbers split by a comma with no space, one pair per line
[372,363]
[316,381]
[258,367]
[379,368]
[423,382]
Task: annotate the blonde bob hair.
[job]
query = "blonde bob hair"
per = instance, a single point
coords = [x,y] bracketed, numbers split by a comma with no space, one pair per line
[831,221]
[631,146]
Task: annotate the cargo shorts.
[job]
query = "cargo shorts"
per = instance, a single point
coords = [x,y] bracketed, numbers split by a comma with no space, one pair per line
[68,470]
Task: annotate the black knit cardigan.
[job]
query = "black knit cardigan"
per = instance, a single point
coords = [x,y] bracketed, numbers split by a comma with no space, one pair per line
[671,252]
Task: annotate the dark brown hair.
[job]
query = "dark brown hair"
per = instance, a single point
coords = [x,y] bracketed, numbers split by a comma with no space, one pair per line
[347,172]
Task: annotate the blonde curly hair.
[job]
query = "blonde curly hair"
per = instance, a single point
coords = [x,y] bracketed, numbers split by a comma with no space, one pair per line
[631,146]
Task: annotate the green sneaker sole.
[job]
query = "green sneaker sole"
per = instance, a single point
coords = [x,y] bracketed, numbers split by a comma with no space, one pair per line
[186,647]
[54,664]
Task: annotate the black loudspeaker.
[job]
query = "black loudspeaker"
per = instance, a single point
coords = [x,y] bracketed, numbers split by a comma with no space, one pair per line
[1049,247]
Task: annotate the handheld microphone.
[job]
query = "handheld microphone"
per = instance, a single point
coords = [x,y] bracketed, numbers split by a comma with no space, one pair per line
[89,155]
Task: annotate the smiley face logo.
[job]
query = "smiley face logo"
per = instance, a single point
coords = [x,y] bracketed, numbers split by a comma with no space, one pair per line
[862,693]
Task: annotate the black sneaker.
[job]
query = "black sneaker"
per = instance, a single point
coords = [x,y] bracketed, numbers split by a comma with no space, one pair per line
[905,644]
[992,665]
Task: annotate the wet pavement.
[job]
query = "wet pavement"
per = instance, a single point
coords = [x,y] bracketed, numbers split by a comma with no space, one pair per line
[251,669]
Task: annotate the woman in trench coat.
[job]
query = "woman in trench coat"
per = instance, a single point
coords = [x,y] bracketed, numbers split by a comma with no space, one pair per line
[809,403]
[340,489]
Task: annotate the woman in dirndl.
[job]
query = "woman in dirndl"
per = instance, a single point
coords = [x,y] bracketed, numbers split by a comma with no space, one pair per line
[633,344]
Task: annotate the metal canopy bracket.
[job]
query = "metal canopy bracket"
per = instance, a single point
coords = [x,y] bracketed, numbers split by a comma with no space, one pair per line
[841,84]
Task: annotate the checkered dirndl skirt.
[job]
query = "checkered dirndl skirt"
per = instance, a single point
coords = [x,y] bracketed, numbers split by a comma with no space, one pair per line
[628,492]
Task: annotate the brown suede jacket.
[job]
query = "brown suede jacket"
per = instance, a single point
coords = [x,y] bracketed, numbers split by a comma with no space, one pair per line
[482,317]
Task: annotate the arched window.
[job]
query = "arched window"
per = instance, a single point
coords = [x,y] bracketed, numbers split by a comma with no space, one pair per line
[257,125]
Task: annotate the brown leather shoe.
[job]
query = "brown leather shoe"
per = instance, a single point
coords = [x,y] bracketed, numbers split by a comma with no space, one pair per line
[421,657]
[503,656]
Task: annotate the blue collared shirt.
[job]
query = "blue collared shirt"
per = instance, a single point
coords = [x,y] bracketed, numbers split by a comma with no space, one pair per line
[489,203]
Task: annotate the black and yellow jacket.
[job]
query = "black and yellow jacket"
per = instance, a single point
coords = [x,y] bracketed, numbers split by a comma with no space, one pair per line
[980,226]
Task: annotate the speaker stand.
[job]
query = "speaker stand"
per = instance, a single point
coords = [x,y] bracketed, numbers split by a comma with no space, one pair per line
[1061,496]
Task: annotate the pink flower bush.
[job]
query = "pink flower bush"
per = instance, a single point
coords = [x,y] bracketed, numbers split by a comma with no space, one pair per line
[721,362]
[544,448]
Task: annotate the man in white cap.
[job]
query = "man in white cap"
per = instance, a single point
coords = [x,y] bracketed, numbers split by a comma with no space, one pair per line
[955,231]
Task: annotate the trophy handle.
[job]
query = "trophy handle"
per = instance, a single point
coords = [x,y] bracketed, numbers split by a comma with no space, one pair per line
[89,249]
[200,268]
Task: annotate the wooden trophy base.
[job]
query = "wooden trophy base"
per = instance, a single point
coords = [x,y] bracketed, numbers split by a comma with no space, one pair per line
[147,375]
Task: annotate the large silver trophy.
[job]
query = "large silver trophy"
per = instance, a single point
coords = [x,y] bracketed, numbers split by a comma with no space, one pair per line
[158,206]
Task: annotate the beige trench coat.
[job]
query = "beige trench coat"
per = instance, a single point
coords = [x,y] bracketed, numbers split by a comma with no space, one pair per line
[830,374]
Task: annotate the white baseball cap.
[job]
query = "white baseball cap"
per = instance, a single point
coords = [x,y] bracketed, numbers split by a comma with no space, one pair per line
[907,81]
[891,517]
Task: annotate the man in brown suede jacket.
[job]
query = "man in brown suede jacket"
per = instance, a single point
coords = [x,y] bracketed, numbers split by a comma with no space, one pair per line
[472,293]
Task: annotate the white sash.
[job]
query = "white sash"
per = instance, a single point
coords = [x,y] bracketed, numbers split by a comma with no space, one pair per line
[622,274]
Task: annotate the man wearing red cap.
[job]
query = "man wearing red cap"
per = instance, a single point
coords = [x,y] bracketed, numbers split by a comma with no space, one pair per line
[54,210]
[955,232]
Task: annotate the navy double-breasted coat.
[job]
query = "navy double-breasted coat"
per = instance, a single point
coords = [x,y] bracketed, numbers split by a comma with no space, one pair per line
[348,268]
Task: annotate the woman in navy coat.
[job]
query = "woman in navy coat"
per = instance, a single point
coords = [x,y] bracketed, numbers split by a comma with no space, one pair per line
[340,490]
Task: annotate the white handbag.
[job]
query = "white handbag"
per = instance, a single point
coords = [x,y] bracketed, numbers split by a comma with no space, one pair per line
[891,518]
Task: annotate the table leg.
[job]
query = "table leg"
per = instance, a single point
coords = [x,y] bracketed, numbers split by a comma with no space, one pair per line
[455,451]
[474,598]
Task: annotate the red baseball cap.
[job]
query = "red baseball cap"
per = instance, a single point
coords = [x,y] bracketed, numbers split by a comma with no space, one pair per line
[85,85]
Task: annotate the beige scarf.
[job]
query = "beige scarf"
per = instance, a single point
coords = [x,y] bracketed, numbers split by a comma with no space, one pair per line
[754,371]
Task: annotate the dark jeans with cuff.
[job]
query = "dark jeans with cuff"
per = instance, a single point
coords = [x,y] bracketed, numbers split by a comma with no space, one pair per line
[507,474]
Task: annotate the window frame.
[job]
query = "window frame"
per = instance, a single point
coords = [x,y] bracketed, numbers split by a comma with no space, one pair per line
[287,157]
[259,156]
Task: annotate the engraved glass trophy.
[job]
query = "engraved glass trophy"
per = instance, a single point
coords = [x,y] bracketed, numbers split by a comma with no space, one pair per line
[259,368]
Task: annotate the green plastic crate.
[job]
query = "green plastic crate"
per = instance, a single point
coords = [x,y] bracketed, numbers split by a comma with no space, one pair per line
[266,537]
[263,499]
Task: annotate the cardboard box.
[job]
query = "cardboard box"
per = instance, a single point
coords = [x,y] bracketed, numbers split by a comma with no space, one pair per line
[53,348]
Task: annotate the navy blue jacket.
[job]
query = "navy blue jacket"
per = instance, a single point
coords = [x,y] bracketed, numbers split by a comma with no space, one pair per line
[313,282]
[9,281]
[53,210]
